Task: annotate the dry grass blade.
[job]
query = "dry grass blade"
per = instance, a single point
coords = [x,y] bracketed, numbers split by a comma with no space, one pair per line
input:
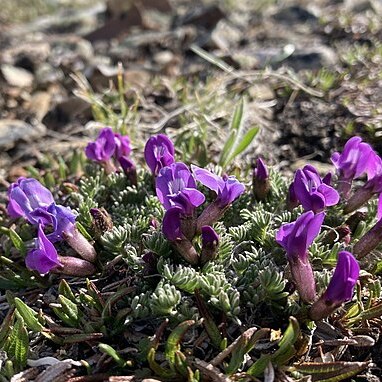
[211,371]
[229,349]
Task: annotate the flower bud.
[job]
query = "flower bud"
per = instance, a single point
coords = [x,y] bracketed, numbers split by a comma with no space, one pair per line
[101,222]
[261,184]
[340,288]
[129,169]
[210,243]
[77,241]
[369,241]
[172,230]
[73,266]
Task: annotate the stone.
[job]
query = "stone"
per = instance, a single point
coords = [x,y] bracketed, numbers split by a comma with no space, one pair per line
[15,76]
[116,8]
[39,104]
[13,131]
[47,74]
[311,58]
[294,14]
[117,26]
[205,17]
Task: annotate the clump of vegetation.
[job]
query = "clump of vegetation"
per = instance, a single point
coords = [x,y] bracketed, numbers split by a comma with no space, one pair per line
[181,272]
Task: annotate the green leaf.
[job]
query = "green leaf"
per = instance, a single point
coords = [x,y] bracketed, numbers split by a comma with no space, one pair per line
[235,129]
[158,369]
[29,315]
[18,344]
[243,346]
[57,309]
[208,321]
[257,369]
[17,242]
[245,142]
[21,344]
[285,352]
[107,349]
[83,231]
[65,290]
[174,339]
[69,308]
[286,345]
[180,364]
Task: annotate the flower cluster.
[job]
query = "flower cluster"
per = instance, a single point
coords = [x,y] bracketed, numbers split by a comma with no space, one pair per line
[356,159]
[111,149]
[177,191]
[188,220]
[316,194]
[30,200]
[296,238]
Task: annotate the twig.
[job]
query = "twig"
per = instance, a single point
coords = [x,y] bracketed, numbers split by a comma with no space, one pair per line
[228,350]
[211,371]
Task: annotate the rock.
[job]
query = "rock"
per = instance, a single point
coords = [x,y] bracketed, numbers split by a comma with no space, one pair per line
[254,56]
[294,14]
[164,57]
[206,17]
[359,6]
[261,91]
[27,55]
[15,76]
[39,104]
[68,110]
[46,74]
[312,58]
[117,26]
[13,131]
[116,8]
[68,51]
[225,36]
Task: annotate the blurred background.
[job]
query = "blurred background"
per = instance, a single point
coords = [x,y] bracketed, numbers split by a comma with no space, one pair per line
[310,74]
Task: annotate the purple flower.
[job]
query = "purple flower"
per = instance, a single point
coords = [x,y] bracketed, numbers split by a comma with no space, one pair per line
[261,171]
[209,236]
[173,231]
[175,186]
[129,169]
[104,146]
[122,145]
[292,201]
[313,193]
[345,276]
[27,195]
[44,257]
[210,243]
[60,218]
[260,180]
[159,153]
[171,226]
[295,238]
[227,188]
[356,159]
[340,288]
